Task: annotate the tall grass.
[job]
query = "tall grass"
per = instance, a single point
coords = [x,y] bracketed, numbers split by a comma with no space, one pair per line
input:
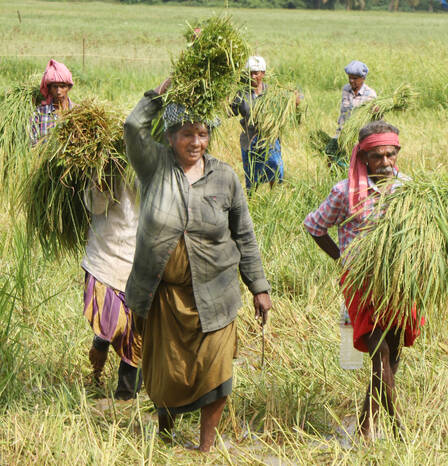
[292,410]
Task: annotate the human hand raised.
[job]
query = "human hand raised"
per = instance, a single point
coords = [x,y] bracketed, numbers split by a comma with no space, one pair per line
[262,304]
[161,89]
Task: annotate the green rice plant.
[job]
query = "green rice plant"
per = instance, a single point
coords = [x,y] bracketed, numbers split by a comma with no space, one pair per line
[10,348]
[319,139]
[401,260]
[276,112]
[16,110]
[85,146]
[208,71]
[401,99]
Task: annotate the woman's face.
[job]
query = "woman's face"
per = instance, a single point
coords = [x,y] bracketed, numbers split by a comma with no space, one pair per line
[190,143]
[59,91]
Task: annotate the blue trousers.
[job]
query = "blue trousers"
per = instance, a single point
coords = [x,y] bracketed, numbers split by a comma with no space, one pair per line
[262,165]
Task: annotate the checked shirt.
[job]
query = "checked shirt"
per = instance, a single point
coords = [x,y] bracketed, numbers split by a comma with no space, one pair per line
[351,101]
[43,120]
[334,211]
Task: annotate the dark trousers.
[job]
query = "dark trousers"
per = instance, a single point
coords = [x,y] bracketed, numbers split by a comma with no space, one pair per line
[129,377]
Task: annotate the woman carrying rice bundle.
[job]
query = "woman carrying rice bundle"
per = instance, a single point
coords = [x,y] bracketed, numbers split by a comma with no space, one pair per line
[348,206]
[354,94]
[109,250]
[54,87]
[261,164]
[194,233]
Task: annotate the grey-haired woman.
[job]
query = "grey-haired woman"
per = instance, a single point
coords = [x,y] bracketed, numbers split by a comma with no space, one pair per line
[194,234]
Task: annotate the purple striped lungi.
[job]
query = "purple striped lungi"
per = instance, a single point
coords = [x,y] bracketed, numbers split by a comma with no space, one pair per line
[105,309]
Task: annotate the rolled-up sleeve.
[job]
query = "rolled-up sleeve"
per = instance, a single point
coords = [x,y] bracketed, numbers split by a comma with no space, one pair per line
[242,231]
[333,211]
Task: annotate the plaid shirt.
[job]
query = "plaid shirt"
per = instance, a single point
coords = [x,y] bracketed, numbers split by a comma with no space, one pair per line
[335,211]
[351,101]
[43,120]
[211,214]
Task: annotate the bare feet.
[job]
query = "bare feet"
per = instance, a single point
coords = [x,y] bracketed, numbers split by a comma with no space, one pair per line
[98,360]
[210,417]
[166,424]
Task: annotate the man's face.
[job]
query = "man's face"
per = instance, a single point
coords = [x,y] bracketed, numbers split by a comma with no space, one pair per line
[355,82]
[380,161]
[59,91]
[256,77]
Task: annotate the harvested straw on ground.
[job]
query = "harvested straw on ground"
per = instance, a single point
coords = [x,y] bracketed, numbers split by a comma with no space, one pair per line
[403,258]
[209,69]
[275,113]
[403,97]
[16,110]
[86,145]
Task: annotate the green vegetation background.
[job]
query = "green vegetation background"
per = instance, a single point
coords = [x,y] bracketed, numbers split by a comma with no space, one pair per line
[293,408]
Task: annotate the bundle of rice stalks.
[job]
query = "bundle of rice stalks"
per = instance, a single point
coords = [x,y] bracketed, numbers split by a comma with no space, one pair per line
[16,110]
[403,98]
[86,145]
[88,140]
[209,70]
[52,200]
[275,113]
[402,259]
[319,140]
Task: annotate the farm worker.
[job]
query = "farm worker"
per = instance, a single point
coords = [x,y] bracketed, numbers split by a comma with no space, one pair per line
[261,164]
[348,206]
[55,85]
[107,264]
[354,94]
[109,251]
[194,234]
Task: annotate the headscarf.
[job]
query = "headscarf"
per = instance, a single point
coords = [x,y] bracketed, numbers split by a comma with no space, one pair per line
[357,68]
[55,72]
[357,173]
[176,114]
[256,63]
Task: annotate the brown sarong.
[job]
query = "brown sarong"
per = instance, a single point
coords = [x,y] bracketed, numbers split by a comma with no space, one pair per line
[183,368]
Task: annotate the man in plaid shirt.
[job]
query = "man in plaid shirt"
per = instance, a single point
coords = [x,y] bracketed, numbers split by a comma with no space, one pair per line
[349,206]
[56,83]
[355,93]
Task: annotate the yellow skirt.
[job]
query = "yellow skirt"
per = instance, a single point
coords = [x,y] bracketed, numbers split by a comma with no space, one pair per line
[183,368]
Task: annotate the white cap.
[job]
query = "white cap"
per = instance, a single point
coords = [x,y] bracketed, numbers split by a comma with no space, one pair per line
[256,63]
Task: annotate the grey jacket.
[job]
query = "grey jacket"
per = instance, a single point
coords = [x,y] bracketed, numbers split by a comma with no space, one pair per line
[212,214]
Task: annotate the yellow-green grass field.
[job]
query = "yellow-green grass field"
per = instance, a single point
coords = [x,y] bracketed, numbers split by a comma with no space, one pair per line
[295,409]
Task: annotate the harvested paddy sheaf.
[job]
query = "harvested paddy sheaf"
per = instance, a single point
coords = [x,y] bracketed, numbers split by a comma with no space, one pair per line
[401,260]
[86,146]
[402,98]
[275,112]
[208,71]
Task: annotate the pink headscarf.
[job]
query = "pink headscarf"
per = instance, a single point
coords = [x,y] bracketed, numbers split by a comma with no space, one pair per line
[357,173]
[55,72]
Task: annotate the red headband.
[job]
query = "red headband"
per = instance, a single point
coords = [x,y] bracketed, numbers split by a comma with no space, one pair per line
[380,139]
